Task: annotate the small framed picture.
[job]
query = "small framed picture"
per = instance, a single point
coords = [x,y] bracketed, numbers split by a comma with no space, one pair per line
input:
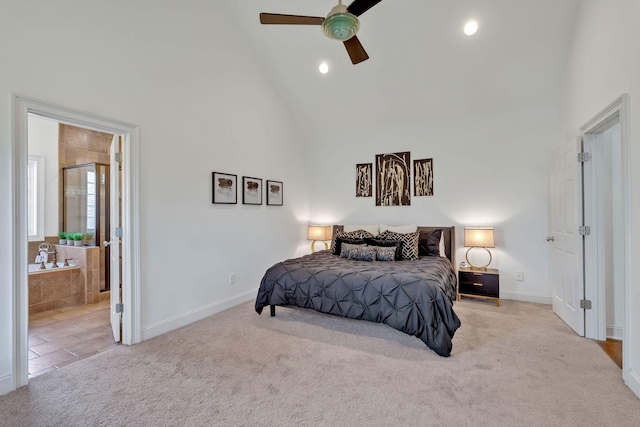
[224,188]
[274,193]
[251,190]
[364,188]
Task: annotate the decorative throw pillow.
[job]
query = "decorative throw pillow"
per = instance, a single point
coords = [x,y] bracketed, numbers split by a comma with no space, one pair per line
[430,245]
[362,253]
[409,242]
[386,243]
[342,240]
[347,248]
[358,234]
[443,250]
[385,253]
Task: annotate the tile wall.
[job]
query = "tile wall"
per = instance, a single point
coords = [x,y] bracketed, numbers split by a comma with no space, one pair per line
[53,289]
[87,258]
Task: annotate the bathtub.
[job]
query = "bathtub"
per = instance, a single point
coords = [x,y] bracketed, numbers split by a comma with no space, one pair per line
[35,268]
[54,287]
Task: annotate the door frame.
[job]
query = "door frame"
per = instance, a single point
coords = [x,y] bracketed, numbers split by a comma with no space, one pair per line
[131,319]
[595,319]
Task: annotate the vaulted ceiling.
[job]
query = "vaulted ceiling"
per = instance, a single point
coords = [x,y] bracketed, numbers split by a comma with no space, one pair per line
[421,63]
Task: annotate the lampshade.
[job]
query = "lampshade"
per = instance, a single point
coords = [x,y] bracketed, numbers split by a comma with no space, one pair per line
[340,24]
[319,232]
[479,237]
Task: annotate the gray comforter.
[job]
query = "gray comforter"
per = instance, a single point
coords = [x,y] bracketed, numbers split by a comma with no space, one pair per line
[415,297]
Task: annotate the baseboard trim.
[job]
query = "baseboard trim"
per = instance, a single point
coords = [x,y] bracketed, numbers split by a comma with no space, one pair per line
[6,384]
[184,319]
[614,332]
[633,382]
[528,297]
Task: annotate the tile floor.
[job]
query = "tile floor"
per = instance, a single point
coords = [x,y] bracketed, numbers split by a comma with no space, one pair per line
[64,335]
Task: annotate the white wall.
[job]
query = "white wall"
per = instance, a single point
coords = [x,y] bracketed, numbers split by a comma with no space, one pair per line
[488,170]
[179,72]
[43,141]
[604,65]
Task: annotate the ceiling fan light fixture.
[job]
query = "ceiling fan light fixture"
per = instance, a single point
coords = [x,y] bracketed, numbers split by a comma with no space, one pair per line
[340,25]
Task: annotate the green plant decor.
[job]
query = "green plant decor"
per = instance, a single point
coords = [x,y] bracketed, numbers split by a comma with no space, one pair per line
[63,235]
[77,236]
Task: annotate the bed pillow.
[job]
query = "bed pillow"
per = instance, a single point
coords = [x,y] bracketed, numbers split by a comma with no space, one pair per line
[371,228]
[372,241]
[399,228]
[430,244]
[358,234]
[341,241]
[385,253]
[361,252]
[347,248]
[443,250]
[410,242]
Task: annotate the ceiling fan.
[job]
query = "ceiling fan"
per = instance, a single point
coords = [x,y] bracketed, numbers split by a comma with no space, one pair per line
[341,24]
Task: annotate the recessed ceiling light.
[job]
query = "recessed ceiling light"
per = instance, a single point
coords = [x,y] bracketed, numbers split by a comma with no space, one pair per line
[324,68]
[470,28]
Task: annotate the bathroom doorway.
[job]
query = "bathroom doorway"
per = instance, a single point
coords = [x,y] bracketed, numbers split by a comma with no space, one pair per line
[125,233]
[69,310]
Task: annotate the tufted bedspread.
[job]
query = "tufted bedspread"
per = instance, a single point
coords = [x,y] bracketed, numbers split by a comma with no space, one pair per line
[415,297]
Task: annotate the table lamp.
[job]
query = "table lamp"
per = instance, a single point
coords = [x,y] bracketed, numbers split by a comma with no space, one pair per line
[319,232]
[479,237]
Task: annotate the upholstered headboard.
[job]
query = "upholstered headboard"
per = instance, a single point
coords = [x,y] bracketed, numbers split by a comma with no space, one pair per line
[449,235]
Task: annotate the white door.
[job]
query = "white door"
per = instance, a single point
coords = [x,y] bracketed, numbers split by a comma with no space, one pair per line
[114,242]
[566,253]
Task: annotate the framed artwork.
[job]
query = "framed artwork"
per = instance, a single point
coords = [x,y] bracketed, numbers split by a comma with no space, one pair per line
[393,179]
[364,187]
[274,193]
[423,177]
[224,188]
[251,190]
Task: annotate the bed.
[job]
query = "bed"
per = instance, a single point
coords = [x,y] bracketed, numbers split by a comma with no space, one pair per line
[413,296]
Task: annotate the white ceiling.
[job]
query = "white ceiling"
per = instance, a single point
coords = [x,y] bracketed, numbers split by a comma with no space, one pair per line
[421,63]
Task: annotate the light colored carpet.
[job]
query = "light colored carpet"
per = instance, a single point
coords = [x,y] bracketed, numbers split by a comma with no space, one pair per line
[517,365]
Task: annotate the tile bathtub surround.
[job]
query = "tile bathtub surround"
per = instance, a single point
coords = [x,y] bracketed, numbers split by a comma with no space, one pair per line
[88,259]
[51,289]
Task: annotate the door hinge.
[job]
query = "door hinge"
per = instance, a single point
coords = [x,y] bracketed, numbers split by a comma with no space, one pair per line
[120,307]
[585,304]
[584,230]
[584,157]
[119,157]
[119,232]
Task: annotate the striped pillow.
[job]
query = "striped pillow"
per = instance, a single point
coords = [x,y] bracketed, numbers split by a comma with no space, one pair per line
[410,242]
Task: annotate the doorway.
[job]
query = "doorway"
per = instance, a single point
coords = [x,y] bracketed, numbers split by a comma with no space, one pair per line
[590,207]
[68,304]
[128,312]
[607,212]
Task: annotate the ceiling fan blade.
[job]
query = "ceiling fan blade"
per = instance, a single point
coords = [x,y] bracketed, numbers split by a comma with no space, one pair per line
[355,50]
[276,18]
[358,7]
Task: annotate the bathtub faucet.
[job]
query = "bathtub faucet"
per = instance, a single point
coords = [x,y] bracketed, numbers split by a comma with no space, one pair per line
[66,262]
[55,258]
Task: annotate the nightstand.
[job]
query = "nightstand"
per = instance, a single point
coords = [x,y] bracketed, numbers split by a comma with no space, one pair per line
[479,284]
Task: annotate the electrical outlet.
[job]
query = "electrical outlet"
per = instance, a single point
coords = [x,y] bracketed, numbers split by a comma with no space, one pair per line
[520,276]
[232,279]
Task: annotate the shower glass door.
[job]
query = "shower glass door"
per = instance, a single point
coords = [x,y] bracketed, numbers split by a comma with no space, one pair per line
[86,208]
